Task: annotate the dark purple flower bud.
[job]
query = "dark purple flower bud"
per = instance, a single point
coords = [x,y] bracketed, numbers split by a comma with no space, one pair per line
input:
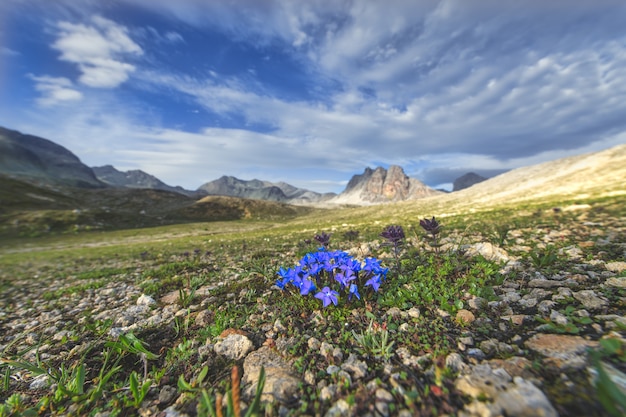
[432,226]
[323,239]
[394,234]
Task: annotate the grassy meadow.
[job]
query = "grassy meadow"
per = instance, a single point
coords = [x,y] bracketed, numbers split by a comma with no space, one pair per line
[229,269]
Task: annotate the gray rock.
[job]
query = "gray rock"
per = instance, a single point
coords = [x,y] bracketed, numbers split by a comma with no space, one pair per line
[167,394]
[314,344]
[172,412]
[39,382]
[234,346]
[327,393]
[562,351]
[326,349]
[383,398]
[337,354]
[409,359]
[145,300]
[590,299]
[572,252]
[524,400]
[356,368]
[454,361]
[204,318]
[476,353]
[483,381]
[467,340]
[279,327]
[510,297]
[340,409]
[477,303]
[332,369]
[489,347]
[544,283]
[539,294]
[384,395]
[617,266]
[488,251]
[281,384]
[617,282]
[528,302]
[558,318]
[546,306]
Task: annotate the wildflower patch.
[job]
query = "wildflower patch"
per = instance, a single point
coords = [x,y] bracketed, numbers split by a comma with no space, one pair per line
[332,274]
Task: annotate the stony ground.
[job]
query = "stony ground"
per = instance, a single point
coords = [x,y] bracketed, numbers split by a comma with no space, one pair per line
[559,292]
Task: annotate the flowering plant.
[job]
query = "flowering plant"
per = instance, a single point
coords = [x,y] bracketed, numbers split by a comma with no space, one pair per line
[433,227]
[329,274]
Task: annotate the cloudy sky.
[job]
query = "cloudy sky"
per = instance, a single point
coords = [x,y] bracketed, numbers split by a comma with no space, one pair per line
[312,91]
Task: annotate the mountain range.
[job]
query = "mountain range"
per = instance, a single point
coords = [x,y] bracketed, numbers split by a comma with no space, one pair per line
[45,188]
[43,163]
[135,178]
[380,185]
[37,159]
[262,190]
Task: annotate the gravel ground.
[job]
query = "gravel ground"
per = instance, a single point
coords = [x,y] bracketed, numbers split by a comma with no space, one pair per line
[523,351]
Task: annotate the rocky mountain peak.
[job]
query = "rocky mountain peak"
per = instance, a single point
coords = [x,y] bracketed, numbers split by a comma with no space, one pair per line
[383,185]
[31,157]
[261,190]
[467,180]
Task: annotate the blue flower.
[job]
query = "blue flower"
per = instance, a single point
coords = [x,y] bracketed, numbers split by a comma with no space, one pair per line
[344,278]
[354,291]
[330,267]
[327,296]
[374,282]
[306,286]
[286,276]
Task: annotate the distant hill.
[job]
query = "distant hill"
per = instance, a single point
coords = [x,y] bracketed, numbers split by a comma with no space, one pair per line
[262,190]
[597,173]
[134,179]
[37,159]
[467,180]
[30,209]
[235,208]
[380,185]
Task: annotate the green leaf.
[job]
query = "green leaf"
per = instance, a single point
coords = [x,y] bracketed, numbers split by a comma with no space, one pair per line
[202,375]
[134,385]
[611,345]
[184,385]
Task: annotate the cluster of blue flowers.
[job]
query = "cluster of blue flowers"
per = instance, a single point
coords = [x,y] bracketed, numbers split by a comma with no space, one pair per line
[341,270]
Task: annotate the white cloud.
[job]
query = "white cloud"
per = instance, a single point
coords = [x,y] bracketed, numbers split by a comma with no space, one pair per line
[98,50]
[55,90]
[174,37]
[8,51]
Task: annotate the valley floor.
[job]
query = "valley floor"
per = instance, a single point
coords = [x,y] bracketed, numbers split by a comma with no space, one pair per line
[505,314]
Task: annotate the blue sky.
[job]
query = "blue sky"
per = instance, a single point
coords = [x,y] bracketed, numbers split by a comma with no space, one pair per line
[312,92]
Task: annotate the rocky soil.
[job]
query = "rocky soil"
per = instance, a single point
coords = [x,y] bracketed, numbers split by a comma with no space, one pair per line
[522,352]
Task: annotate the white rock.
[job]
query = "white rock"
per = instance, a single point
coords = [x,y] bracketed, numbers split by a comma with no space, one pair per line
[39,382]
[525,400]
[145,300]
[235,346]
